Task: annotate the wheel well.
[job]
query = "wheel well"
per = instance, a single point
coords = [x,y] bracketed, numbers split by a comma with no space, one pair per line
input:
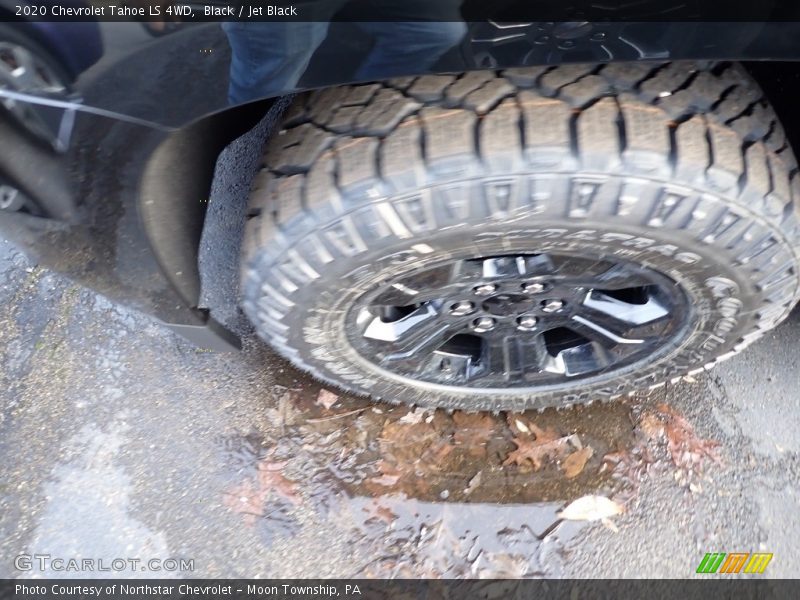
[780,81]
[175,188]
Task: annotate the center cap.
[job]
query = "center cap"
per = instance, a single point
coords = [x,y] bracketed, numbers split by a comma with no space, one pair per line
[507,304]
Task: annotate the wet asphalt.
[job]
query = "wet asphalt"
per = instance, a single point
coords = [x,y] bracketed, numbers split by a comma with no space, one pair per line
[120,440]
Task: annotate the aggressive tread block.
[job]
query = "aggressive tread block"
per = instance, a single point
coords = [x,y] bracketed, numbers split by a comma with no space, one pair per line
[691,150]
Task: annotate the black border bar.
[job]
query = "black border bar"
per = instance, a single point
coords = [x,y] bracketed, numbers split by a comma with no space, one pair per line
[717,587]
[508,12]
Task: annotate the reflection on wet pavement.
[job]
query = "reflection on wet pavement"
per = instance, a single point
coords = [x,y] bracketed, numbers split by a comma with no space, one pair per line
[439,494]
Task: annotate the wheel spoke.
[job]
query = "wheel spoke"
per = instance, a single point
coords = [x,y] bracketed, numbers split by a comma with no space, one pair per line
[511,355]
[626,312]
[512,266]
[411,339]
[427,340]
[579,360]
[421,354]
[376,328]
[452,364]
[407,292]
[432,284]
[601,333]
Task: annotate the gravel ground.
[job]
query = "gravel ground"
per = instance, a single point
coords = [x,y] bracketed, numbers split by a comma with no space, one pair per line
[121,440]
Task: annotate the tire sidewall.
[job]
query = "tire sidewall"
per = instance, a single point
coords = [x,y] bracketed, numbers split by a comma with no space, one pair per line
[725,297]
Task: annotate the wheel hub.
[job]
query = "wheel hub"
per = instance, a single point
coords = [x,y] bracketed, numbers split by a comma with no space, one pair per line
[508,304]
[518,321]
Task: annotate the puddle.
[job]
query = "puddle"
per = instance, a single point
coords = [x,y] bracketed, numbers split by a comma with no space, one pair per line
[438,494]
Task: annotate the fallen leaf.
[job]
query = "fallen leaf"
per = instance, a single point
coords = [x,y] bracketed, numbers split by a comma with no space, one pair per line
[271,479]
[473,483]
[630,466]
[247,501]
[327,398]
[574,463]
[250,497]
[413,417]
[534,452]
[413,456]
[591,508]
[377,511]
[285,413]
[387,480]
[544,435]
[651,426]
[687,450]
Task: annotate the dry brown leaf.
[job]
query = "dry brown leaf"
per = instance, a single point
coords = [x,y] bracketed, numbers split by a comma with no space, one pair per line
[533,453]
[413,417]
[327,398]
[651,426]
[378,511]
[628,466]
[412,456]
[546,444]
[250,497]
[591,508]
[687,451]
[270,478]
[245,499]
[574,463]
[544,435]
[522,427]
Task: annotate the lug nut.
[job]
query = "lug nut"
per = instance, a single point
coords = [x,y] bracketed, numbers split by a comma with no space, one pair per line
[533,288]
[485,289]
[550,306]
[526,323]
[482,324]
[459,309]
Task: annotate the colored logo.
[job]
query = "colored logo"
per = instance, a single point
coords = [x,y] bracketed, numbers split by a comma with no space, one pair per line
[734,562]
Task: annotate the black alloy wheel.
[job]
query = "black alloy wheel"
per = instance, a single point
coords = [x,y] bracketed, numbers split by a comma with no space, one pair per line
[518,321]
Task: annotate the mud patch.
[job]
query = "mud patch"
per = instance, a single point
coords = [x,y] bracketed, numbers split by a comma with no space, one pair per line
[439,494]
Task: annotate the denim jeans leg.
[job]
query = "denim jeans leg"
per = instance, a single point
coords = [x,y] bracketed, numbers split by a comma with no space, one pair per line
[269,57]
[405,47]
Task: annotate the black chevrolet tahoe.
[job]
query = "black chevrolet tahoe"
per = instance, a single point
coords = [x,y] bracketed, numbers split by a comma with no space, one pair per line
[473,205]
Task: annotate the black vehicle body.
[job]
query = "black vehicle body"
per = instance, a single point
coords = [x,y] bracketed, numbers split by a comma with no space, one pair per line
[117,192]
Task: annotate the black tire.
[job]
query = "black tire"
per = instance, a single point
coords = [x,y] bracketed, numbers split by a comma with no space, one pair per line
[49,70]
[680,168]
[13,34]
